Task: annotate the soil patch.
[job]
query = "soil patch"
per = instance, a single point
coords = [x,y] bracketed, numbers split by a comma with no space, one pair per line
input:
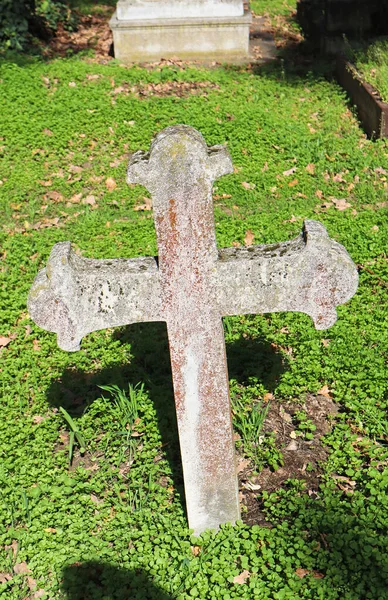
[302,458]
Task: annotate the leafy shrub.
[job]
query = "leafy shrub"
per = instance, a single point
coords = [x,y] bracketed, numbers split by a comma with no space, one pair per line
[21,19]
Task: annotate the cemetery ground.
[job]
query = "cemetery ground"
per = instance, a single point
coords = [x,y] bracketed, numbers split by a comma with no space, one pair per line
[91,490]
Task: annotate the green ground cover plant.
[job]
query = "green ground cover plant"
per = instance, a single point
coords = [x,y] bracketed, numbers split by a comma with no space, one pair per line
[108,520]
[372,63]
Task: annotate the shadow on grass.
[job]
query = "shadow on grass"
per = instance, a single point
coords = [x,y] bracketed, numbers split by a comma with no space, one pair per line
[150,365]
[100,581]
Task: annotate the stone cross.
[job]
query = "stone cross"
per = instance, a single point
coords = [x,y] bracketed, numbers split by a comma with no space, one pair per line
[191,285]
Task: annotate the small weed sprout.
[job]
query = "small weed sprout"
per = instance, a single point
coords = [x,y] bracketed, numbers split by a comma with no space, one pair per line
[75,435]
[259,446]
[304,426]
[125,411]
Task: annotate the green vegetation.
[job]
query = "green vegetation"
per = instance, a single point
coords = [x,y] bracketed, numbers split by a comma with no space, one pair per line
[111,524]
[21,20]
[372,63]
[273,8]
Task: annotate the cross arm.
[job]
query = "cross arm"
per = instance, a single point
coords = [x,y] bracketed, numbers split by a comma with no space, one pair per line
[311,274]
[74,296]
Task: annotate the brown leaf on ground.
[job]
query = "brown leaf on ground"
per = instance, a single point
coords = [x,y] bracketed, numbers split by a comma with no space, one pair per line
[53,195]
[4,341]
[196,550]
[36,419]
[89,200]
[319,194]
[38,594]
[380,171]
[325,391]
[248,186]
[302,572]
[110,184]
[76,198]
[147,204]
[50,530]
[47,132]
[249,237]
[242,578]
[31,583]
[243,464]
[21,569]
[310,168]
[289,172]
[338,178]
[96,499]
[75,169]
[4,577]
[36,345]
[14,547]
[340,203]
[46,183]
[293,182]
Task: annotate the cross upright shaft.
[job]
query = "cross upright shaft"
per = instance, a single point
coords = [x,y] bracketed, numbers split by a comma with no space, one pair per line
[179,174]
[191,286]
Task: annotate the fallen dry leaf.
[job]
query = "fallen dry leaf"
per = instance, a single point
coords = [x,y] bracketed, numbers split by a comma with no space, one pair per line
[268,396]
[75,169]
[310,168]
[76,198]
[31,583]
[47,132]
[21,569]
[110,184]
[147,204]
[4,577]
[319,194]
[196,550]
[248,186]
[4,341]
[242,578]
[36,345]
[37,419]
[253,487]
[38,594]
[338,178]
[53,195]
[326,343]
[302,572]
[89,200]
[325,391]
[14,547]
[289,172]
[293,182]
[243,463]
[50,530]
[249,237]
[340,203]
[96,499]
[380,171]
[46,183]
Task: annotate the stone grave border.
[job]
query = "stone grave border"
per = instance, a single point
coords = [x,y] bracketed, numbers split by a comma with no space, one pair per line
[372,111]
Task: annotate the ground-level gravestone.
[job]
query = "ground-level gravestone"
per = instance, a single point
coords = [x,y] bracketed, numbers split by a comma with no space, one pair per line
[145,30]
[191,285]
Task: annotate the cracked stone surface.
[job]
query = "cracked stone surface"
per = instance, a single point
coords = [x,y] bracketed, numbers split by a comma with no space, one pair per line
[191,285]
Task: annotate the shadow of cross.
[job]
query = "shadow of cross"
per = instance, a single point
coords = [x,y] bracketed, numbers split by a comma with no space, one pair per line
[191,286]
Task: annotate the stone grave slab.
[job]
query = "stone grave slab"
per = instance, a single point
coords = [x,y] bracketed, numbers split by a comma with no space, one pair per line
[149,30]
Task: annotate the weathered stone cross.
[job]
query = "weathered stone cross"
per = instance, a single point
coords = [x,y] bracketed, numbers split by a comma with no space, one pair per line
[191,285]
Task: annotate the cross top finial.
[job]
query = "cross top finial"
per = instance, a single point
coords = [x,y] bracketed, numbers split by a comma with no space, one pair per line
[178,157]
